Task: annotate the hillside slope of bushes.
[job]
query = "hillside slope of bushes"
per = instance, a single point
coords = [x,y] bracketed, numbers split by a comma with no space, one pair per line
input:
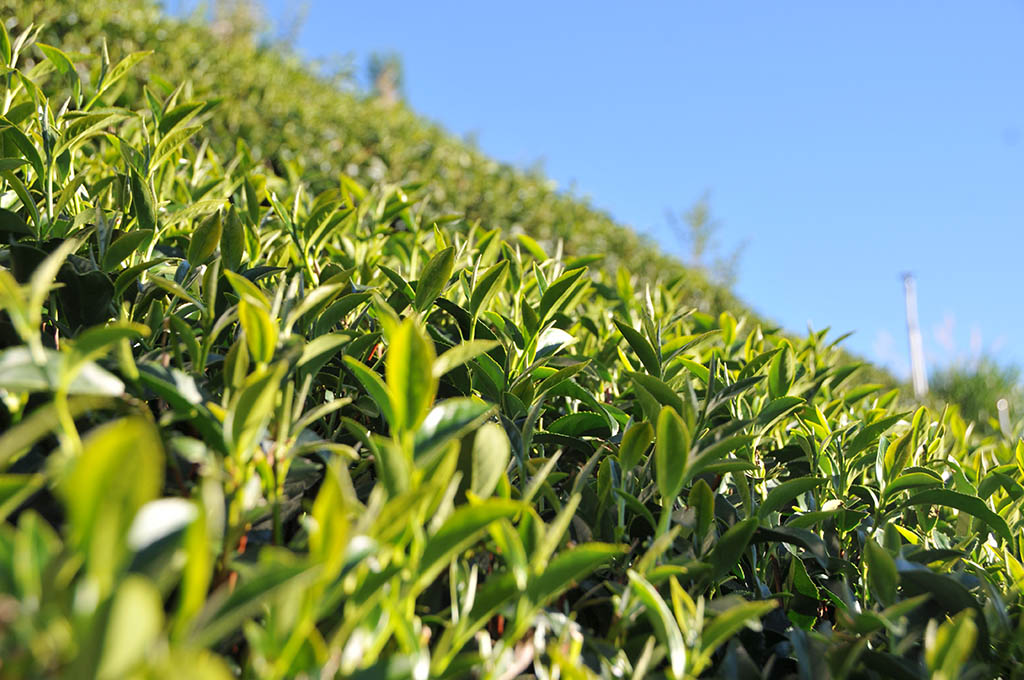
[305,125]
[259,420]
[299,122]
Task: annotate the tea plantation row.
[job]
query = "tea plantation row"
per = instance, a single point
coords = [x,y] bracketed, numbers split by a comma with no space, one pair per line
[259,420]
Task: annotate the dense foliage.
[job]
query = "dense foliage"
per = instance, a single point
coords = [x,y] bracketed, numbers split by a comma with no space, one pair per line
[265,419]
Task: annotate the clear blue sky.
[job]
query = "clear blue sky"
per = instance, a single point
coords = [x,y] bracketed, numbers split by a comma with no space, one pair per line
[843,144]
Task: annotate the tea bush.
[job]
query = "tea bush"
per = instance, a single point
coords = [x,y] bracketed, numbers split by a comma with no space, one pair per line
[264,419]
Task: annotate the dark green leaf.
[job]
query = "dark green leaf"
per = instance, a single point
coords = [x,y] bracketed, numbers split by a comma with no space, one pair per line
[969,504]
[730,547]
[786,492]
[458,532]
[664,623]
[434,278]
[204,240]
[644,350]
[882,574]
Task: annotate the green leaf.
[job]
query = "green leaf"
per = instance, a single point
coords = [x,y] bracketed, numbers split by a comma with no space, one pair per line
[947,592]
[802,582]
[663,621]
[15,489]
[143,202]
[781,372]
[402,286]
[11,223]
[897,455]
[461,354]
[130,276]
[465,525]
[658,389]
[316,299]
[948,646]
[133,629]
[20,373]
[373,384]
[869,434]
[329,534]
[177,291]
[45,274]
[448,420]
[204,240]
[60,60]
[786,492]
[169,144]
[98,340]
[5,45]
[671,453]
[555,532]
[702,500]
[730,547]
[969,504]
[776,409]
[731,621]
[24,144]
[119,71]
[197,572]
[246,288]
[124,247]
[260,330]
[579,424]
[567,567]
[82,127]
[490,282]
[634,443]
[119,470]
[533,247]
[883,577]
[410,379]
[232,240]
[251,408]
[394,465]
[644,350]
[320,350]
[551,341]
[483,464]
[434,278]
[912,480]
[8,164]
[227,610]
[713,454]
[557,293]
[179,390]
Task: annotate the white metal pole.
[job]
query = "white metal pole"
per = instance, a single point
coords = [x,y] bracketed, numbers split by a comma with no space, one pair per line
[918,375]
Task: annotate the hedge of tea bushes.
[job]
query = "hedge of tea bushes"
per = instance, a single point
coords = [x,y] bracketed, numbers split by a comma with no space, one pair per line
[257,422]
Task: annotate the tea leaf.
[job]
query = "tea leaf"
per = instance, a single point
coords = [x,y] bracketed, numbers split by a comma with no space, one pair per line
[882,573]
[119,470]
[661,618]
[410,378]
[671,454]
[434,278]
[969,504]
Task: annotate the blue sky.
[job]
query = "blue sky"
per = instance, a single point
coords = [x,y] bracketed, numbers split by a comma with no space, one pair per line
[842,143]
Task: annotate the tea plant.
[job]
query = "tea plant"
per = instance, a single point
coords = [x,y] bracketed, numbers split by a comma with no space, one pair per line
[263,422]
